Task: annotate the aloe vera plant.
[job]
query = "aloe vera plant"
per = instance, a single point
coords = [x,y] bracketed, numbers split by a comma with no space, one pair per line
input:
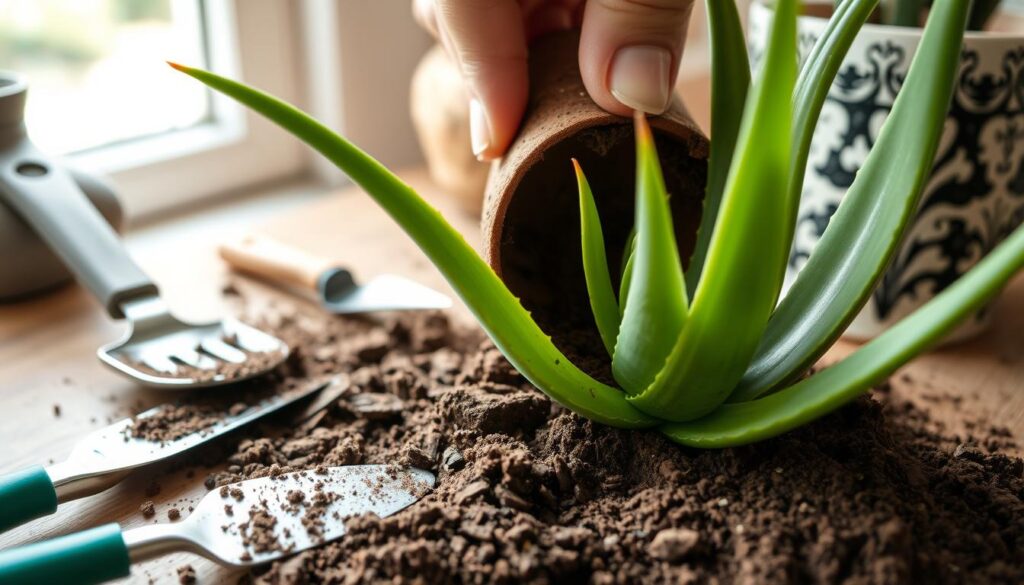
[708,355]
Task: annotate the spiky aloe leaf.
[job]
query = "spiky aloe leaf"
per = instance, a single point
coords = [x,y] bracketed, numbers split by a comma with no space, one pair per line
[495,307]
[627,251]
[812,87]
[627,270]
[656,306]
[862,235]
[595,265]
[729,85]
[746,422]
[627,278]
[742,275]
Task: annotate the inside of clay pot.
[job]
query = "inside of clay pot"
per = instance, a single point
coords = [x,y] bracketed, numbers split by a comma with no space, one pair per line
[540,244]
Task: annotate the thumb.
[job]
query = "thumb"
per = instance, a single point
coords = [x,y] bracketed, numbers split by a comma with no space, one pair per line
[630,51]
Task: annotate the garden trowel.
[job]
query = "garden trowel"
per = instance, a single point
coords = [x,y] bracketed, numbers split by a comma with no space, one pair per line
[248,523]
[104,457]
[334,287]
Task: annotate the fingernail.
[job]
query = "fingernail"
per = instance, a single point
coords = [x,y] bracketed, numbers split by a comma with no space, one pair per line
[640,78]
[479,128]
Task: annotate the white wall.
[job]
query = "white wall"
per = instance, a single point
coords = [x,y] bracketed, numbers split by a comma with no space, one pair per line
[360,58]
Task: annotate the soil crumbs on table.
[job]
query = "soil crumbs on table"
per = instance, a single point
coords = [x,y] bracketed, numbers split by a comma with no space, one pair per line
[878,492]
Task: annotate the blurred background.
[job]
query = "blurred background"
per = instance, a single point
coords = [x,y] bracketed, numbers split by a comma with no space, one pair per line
[101,95]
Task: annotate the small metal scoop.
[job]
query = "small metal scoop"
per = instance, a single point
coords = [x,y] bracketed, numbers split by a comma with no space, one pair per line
[159,350]
[243,524]
[335,287]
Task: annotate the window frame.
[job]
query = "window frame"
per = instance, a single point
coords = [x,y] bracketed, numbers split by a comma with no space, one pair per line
[235,148]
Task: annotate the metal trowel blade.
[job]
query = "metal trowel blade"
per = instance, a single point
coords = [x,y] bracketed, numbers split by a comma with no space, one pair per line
[387,292]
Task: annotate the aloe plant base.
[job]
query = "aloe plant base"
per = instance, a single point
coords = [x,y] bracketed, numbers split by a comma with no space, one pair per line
[720,370]
[530,493]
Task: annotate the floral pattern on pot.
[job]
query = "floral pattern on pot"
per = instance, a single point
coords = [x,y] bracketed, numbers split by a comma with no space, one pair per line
[975,195]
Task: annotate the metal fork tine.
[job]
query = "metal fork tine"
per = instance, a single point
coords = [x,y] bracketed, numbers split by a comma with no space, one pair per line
[195,359]
[160,363]
[254,341]
[170,347]
[218,349]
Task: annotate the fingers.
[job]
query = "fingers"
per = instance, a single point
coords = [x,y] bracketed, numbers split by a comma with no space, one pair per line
[629,54]
[488,42]
[630,51]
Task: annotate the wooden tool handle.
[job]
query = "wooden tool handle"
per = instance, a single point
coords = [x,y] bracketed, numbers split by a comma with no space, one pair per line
[275,261]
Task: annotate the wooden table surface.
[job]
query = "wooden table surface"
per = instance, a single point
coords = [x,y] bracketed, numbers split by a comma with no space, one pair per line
[47,358]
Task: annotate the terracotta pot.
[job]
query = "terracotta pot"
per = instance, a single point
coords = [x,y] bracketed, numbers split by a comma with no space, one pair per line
[531,207]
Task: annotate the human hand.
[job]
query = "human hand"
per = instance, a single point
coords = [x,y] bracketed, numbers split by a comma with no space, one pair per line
[629,54]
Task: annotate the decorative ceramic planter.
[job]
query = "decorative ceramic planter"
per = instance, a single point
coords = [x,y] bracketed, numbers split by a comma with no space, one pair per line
[975,195]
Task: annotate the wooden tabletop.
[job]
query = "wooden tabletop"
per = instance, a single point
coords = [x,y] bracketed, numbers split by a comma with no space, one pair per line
[48,344]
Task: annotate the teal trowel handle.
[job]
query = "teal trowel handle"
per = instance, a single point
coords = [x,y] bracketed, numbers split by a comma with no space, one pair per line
[92,556]
[25,495]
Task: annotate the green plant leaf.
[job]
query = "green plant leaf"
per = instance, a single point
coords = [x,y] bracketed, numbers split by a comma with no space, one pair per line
[500,314]
[595,265]
[656,307]
[742,275]
[730,79]
[812,87]
[746,422]
[627,277]
[863,234]
[627,252]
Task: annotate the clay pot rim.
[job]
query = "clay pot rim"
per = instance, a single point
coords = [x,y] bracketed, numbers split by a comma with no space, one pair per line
[657,123]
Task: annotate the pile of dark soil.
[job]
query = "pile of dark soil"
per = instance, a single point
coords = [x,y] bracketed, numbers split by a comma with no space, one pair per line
[529,492]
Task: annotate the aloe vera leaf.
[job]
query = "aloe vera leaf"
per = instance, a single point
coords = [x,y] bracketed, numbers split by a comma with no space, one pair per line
[812,87]
[657,304]
[747,422]
[627,278]
[627,251]
[730,80]
[499,312]
[864,233]
[595,265]
[742,277]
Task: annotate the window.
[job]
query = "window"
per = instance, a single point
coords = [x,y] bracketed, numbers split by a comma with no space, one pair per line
[89,64]
[99,91]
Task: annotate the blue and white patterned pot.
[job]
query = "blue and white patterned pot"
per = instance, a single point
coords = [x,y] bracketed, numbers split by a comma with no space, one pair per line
[975,195]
